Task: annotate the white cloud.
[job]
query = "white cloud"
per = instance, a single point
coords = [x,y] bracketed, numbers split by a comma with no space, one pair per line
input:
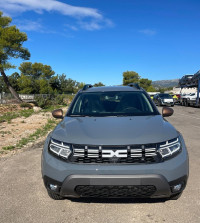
[95,24]
[90,25]
[27,25]
[72,27]
[87,18]
[148,32]
[39,6]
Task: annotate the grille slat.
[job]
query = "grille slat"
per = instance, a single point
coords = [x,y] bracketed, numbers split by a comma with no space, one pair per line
[115,154]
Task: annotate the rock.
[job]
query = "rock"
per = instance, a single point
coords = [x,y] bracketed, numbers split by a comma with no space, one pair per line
[36,109]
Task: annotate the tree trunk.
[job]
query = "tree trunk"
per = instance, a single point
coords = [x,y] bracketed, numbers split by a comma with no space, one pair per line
[11,89]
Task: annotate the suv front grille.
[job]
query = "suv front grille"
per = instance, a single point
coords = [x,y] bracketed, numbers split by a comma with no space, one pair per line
[115,154]
[139,191]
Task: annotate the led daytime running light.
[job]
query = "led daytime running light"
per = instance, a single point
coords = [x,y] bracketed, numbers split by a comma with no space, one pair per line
[169,148]
[59,148]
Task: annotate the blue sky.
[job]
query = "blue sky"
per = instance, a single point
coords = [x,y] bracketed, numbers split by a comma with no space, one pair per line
[97,40]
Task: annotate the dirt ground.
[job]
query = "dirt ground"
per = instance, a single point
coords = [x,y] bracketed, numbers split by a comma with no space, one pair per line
[21,127]
[9,108]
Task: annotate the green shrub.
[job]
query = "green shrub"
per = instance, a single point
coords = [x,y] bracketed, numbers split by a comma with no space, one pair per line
[68,99]
[43,102]
[26,105]
[8,147]
[59,100]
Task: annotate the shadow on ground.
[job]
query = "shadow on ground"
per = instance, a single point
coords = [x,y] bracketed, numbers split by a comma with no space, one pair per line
[118,200]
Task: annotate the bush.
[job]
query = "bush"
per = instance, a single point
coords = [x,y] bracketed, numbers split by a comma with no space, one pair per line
[43,102]
[63,99]
[26,105]
[59,100]
[68,99]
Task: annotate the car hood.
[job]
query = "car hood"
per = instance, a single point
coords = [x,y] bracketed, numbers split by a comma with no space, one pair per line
[114,130]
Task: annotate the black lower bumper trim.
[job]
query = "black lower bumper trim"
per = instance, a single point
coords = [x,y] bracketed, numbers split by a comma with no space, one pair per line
[139,191]
[71,185]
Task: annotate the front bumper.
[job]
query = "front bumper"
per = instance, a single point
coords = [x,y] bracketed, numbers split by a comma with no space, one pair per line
[67,176]
[138,186]
[167,103]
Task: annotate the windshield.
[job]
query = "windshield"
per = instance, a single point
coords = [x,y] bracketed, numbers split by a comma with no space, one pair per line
[112,104]
[165,96]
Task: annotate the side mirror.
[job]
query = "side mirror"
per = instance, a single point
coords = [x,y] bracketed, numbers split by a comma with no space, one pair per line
[166,112]
[58,113]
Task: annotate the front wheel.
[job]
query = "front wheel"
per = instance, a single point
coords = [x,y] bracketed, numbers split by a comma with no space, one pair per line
[187,103]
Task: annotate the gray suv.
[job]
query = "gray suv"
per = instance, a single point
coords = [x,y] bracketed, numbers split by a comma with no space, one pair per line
[113,142]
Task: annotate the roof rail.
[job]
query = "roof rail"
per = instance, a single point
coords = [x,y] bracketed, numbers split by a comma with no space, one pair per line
[86,87]
[136,85]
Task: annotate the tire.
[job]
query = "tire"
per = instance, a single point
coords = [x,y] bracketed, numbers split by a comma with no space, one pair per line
[54,196]
[176,196]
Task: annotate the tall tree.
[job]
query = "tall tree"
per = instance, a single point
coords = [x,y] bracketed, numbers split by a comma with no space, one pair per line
[80,85]
[99,84]
[130,77]
[37,78]
[145,83]
[67,85]
[11,41]
[26,85]
[13,79]
[36,70]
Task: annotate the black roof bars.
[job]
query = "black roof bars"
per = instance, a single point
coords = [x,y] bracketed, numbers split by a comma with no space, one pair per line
[136,85]
[86,87]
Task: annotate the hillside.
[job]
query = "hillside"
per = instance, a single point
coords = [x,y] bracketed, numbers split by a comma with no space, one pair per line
[166,83]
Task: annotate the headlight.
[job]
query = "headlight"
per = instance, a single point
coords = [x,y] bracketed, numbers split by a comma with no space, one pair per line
[60,148]
[169,148]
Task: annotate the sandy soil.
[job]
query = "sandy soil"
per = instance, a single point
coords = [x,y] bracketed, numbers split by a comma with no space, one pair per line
[21,127]
[9,108]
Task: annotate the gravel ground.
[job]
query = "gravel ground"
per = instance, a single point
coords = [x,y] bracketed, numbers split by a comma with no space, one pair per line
[23,197]
[11,133]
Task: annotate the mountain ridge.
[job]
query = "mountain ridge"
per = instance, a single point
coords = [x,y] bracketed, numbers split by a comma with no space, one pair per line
[165,83]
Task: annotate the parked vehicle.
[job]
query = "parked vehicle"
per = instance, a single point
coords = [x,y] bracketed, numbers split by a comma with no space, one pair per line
[185,80]
[113,142]
[183,98]
[191,100]
[196,78]
[163,99]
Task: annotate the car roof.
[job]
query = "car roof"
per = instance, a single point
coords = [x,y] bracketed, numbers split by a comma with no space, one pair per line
[112,88]
[188,75]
